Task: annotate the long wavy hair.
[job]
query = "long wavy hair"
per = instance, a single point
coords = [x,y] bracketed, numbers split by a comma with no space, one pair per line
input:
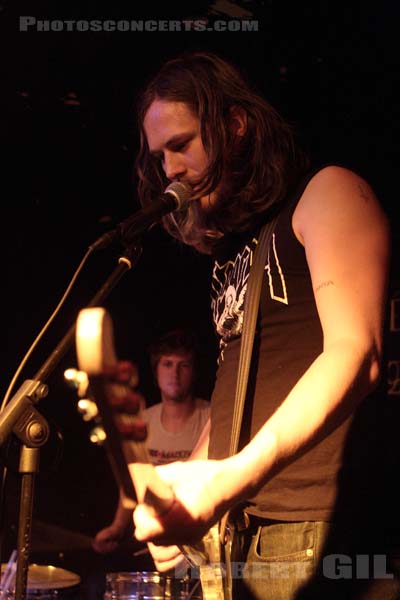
[254,172]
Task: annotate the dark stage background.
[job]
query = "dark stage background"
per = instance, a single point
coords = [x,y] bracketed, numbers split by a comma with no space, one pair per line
[69,140]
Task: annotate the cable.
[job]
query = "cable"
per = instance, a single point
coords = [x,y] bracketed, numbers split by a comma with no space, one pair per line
[44,329]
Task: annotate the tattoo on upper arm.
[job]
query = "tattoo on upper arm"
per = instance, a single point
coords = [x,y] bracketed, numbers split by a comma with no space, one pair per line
[363,192]
[323,285]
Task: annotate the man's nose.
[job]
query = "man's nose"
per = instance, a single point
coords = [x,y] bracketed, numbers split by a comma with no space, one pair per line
[173,166]
[176,371]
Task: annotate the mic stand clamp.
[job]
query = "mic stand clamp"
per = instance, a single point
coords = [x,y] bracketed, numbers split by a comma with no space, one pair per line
[21,417]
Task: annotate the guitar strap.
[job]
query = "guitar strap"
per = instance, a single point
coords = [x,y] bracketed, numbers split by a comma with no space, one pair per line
[250,314]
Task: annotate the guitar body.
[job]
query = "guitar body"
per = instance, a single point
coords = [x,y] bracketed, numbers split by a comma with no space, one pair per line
[140,482]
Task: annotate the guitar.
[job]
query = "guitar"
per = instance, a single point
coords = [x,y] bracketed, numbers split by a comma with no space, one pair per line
[140,483]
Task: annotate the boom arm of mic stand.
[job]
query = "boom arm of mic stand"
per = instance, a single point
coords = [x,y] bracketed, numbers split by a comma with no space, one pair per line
[34,389]
[125,263]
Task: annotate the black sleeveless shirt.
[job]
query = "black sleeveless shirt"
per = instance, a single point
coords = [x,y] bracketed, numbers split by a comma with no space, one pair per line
[288,339]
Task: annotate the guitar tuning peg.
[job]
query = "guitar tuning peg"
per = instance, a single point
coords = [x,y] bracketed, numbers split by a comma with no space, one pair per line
[97,435]
[78,380]
[88,409]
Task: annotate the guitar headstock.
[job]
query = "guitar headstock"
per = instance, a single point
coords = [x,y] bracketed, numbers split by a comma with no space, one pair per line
[109,384]
[87,407]
[119,408]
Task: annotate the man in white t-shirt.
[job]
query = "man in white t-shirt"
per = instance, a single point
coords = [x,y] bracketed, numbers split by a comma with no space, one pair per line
[174,424]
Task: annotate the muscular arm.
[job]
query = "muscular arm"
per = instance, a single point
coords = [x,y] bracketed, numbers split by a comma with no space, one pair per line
[345,236]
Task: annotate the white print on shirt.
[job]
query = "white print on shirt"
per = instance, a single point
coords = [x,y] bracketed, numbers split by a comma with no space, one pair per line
[278,284]
[229,285]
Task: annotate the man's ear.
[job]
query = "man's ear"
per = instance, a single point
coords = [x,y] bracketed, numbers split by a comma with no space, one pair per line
[238,121]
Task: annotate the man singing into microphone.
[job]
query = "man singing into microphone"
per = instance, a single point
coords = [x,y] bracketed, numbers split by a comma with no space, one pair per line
[312,473]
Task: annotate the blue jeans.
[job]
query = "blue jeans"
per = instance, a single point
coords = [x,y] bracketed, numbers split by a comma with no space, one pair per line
[312,560]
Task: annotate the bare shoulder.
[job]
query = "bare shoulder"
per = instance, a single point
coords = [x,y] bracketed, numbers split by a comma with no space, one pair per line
[338,179]
[336,196]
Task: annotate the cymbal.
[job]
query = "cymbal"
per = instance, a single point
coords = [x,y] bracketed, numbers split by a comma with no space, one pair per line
[47,537]
[46,577]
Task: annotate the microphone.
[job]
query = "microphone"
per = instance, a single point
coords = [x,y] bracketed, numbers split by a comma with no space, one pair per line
[175,197]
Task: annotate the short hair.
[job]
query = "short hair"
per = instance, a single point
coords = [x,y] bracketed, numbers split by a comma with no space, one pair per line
[177,341]
[262,166]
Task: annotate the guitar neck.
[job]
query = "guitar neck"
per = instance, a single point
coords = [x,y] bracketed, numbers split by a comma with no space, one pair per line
[139,482]
[113,444]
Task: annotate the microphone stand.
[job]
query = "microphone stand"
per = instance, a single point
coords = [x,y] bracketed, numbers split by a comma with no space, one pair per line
[21,418]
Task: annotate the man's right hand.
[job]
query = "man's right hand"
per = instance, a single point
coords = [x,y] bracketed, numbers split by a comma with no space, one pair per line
[167,558]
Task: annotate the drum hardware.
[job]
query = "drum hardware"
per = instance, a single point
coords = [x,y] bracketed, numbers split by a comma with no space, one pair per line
[150,585]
